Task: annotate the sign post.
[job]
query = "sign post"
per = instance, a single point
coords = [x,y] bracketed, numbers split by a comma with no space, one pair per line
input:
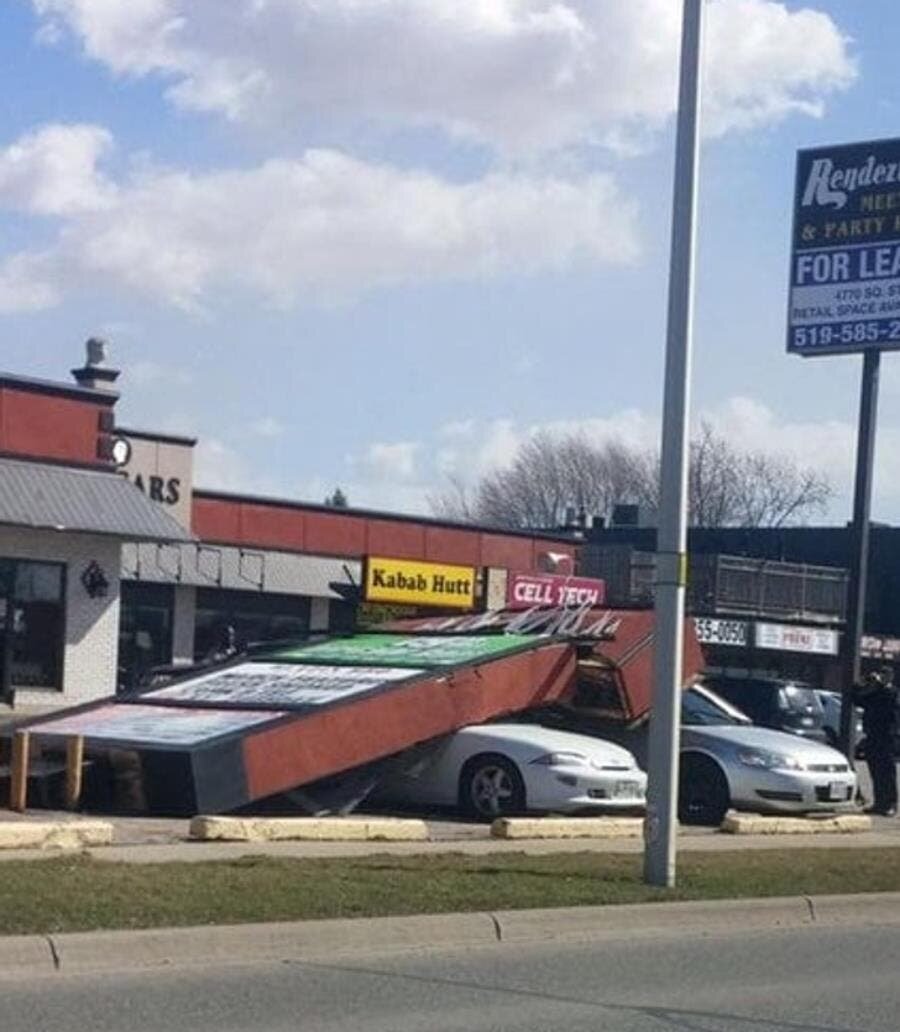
[859,549]
[845,298]
[671,560]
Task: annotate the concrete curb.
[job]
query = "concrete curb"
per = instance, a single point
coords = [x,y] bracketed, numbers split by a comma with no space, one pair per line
[308,829]
[93,952]
[567,827]
[25,956]
[755,824]
[54,834]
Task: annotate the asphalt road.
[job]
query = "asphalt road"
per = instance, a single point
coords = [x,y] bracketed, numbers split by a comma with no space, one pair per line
[798,980]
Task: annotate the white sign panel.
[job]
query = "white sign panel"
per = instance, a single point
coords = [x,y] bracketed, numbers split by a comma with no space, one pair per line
[154,725]
[281,685]
[797,639]
[713,631]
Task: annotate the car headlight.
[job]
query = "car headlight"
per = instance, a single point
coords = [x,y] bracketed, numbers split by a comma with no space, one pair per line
[561,759]
[768,760]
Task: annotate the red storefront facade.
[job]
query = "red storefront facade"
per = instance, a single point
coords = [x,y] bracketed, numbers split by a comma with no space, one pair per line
[261,567]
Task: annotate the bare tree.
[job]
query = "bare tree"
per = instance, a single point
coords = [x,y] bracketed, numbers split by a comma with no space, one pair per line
[550,475]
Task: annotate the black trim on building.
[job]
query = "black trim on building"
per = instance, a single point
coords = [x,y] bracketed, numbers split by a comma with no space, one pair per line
[65,390]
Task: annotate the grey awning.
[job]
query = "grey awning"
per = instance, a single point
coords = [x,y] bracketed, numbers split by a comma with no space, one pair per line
[89,501]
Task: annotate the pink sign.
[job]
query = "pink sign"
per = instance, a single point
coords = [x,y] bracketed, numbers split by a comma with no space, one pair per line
[525,590]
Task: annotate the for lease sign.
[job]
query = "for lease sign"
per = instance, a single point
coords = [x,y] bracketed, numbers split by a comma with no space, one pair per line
[525,590]
[418,583]
[845,255]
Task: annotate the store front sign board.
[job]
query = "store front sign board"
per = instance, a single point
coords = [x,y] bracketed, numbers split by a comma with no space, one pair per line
[154,726]
[413,650]
[281,686]
[845,254]
[716,631]
[788,638]
[525,590]
[405,582]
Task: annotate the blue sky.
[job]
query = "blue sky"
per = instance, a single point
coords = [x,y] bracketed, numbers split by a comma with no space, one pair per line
[370,243]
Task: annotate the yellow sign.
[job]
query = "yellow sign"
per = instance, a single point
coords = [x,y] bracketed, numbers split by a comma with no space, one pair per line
[420,584]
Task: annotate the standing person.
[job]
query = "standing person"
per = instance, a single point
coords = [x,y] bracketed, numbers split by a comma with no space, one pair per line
[877,696]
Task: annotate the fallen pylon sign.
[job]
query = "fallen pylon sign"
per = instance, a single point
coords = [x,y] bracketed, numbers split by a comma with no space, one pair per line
[213,742]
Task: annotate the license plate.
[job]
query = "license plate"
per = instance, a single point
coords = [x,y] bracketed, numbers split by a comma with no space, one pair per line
[837,792]
[626,789]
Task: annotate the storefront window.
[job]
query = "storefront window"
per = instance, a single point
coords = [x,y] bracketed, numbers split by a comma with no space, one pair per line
[32,624]
[145,630]
[247,618]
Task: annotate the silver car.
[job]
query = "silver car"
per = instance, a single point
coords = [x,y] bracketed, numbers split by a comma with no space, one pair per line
[728,762]
[831,709]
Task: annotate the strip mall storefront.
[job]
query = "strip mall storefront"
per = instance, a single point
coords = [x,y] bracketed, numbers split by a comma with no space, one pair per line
[216,569]
[762,648]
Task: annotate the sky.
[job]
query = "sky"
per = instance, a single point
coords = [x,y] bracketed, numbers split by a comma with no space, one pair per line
[378,243]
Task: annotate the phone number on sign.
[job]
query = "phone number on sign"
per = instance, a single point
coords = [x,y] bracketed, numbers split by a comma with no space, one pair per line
[846,333]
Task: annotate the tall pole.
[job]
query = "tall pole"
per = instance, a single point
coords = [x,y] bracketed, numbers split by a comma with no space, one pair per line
[859,542]
[671,558]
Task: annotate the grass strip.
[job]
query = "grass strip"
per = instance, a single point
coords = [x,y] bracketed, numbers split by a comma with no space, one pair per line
[75,893]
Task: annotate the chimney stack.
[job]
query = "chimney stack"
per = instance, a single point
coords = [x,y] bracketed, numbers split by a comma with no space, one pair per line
[95,374]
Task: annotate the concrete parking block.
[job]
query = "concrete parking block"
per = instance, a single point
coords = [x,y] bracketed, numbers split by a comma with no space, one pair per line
[567,827]
[757,824]
[54,834]
[315,829]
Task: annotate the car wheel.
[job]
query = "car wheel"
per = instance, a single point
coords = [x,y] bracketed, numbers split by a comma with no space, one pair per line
[490,786]
[703,796]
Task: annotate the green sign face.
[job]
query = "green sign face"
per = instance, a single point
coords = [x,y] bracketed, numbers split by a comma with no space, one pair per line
[406,650]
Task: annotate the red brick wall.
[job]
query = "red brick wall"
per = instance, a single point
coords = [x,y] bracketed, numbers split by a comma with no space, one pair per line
[292,528]
[49,426]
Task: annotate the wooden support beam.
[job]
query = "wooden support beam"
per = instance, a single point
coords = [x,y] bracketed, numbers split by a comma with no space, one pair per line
[74,769]
[18,774]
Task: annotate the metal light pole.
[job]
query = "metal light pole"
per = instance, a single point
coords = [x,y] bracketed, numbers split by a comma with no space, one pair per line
[671,557]
[859,549]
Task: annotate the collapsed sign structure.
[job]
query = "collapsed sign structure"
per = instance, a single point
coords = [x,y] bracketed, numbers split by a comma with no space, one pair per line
[256,728]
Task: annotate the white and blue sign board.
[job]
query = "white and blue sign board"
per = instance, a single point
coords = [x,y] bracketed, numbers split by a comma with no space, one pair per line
[845,253]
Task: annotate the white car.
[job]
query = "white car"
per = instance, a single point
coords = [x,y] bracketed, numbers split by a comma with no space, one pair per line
[491,770]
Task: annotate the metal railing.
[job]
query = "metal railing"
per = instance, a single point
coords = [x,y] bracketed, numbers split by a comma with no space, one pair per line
[727,584]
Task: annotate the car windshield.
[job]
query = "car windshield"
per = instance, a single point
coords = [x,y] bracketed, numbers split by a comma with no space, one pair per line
[797,699]
[701,709]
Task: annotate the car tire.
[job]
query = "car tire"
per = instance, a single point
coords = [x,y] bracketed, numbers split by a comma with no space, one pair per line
[491,786]
[703,795]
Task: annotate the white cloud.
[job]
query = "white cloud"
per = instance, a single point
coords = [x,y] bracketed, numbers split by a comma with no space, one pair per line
[218,466]
[53,171]
[826,445]
[392,461]
[521,75]
[24,286]
[267,426]
[322,228]
[147,373]
[475,448]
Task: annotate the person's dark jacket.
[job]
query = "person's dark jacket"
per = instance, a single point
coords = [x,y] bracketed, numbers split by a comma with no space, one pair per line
[879,706]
